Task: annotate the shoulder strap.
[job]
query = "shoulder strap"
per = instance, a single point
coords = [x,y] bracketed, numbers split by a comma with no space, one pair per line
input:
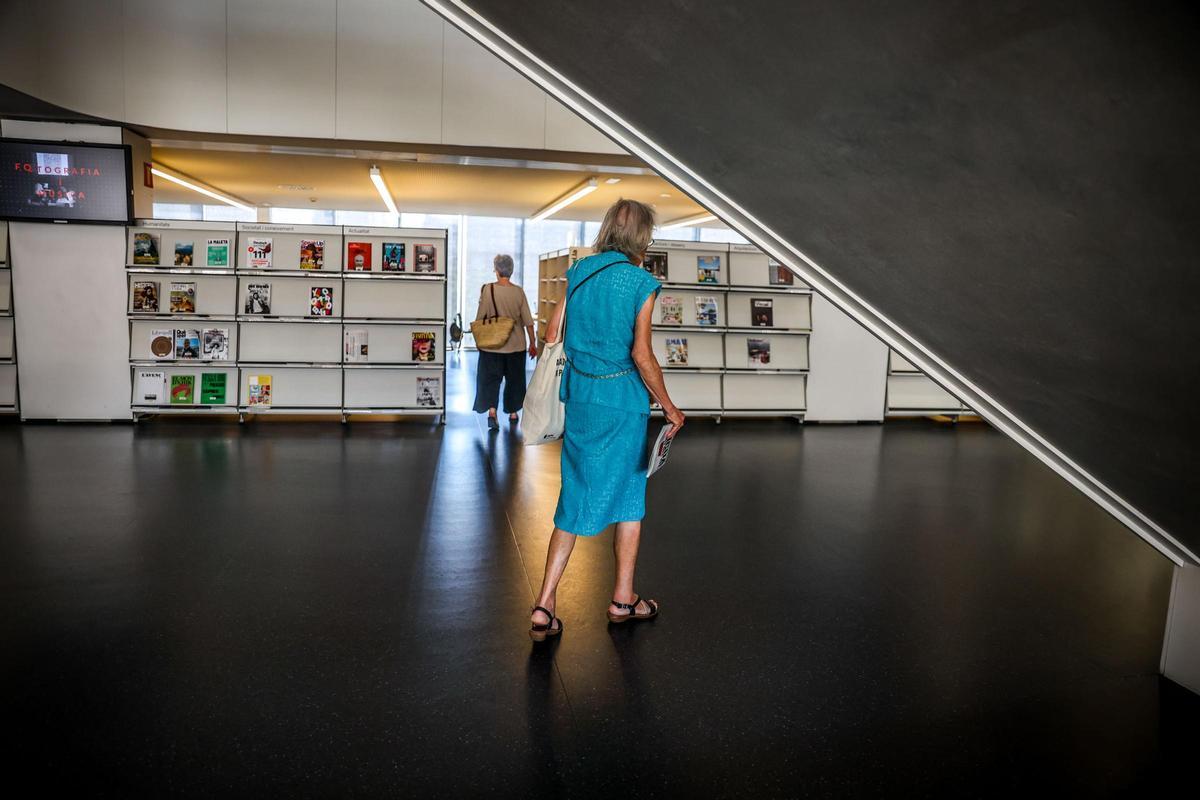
[562,328]
[495,308]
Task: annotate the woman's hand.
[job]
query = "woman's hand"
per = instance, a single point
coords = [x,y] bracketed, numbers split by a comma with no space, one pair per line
[676,418]
[533,353]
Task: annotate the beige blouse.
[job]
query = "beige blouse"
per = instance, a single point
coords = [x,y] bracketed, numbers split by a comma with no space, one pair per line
[512,303]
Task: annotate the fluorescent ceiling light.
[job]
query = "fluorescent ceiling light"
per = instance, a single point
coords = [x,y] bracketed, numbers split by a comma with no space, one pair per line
[582,190]
[611,181]
[381,187]
[688,222]
[196,188]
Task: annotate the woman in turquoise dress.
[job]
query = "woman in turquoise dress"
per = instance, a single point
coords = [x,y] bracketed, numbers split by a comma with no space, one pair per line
[608,379]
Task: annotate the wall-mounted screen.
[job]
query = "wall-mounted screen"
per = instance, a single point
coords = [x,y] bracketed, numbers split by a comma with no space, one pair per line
[55,182]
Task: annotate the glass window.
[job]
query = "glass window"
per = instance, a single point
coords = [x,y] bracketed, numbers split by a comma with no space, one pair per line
[178,211]
[487,237]
[452,224]
[367,219]
[302,216]
[544,237]
[686,234]
[224,213]
[722,235]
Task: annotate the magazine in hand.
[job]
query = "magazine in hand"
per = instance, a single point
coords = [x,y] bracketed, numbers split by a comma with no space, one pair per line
[660,450]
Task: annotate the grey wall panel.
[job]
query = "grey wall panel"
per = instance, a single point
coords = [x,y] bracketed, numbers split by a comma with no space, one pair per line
[848,375]
[1011,185]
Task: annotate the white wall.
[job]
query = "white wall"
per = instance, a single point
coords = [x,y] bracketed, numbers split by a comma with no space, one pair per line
[372,70]
[847,368]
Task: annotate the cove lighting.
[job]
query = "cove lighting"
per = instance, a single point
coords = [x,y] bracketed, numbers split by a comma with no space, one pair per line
[381,187]
[686,223]
[206,192]
[582,190]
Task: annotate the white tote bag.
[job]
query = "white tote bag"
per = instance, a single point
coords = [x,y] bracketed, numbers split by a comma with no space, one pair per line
[545,414]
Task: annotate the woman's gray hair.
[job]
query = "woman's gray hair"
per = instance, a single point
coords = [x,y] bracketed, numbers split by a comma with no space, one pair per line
[503,265]
[628,227]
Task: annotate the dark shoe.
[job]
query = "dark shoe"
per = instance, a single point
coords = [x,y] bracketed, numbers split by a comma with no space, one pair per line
[651,610]
[493,425]
[539,632]
[512,417]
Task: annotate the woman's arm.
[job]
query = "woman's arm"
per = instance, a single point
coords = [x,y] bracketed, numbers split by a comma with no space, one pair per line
[555,322]
[648,368]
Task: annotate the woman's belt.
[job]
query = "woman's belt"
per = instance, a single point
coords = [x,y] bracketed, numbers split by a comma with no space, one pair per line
[599,377]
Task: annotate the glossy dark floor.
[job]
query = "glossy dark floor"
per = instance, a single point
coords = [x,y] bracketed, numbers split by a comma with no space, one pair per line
[310,610]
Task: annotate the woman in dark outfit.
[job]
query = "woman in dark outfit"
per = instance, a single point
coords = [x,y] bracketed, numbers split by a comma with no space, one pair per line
[506,363]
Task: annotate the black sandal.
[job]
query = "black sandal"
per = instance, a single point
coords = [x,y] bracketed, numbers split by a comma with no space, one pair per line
[632,608]
[539,632]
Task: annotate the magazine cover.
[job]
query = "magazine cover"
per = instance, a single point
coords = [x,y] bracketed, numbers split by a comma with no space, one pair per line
[312,254]
[162,343]
[759,351]
[356,345]
[708,269]
[145,249]
[358,256]
[762,312]
[424,346]
[145,296]
[215,342]
[183,298]
[677,354]
[671,310]
[258,390]
[320,302]
[150,389]
[429,392]
[258,298]
[184,253]
[218,253]
[706,309]
[393,256]
[183,388]
[212,388]
[187,343]
[258,254]
[778,274]
[426,258]
[655,262]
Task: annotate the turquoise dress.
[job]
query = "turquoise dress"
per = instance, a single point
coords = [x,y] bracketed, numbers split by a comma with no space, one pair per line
[607,405]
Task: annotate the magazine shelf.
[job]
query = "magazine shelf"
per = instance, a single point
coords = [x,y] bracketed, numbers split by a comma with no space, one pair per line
[279,299]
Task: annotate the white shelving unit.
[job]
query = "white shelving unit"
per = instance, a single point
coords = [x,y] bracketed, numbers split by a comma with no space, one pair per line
[9,403]
[911,393]
[276,339]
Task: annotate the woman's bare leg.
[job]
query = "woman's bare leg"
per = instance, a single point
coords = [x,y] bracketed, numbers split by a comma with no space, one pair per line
[626,540]
[557,555]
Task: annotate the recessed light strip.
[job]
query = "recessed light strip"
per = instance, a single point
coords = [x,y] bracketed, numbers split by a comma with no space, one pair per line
[381,187]
[688,222]
[196,188]
[584,189]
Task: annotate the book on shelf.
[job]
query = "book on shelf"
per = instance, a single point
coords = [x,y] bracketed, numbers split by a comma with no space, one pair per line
[762,312]
[145,296]
[677,352]
[215,343]
[671,310]
[213,386]
[258,254]
[187,343]
[358,256]
[393,256]
[183,298]
[355,347]
[184,253]
[655,262]
[706,310]
[426,258]
[320,302]
[150,388]
[429,392]
[424,346]
[258,390]
[145,249]
[758,351]
[162,343]
[312,254]
[218,253]
[258,298]
[708,269]
[183,390]
[778,274]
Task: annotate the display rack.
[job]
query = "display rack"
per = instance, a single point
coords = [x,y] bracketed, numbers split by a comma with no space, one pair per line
[911,393]
[312,322]
[719,378]
[9,402]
